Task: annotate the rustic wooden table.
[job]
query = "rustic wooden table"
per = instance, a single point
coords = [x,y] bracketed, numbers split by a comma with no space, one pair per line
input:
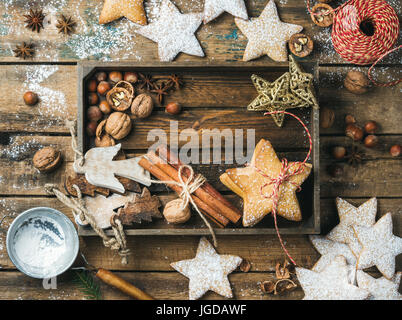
[53,74]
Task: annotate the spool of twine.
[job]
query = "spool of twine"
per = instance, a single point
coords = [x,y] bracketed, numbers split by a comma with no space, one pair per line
[364,32]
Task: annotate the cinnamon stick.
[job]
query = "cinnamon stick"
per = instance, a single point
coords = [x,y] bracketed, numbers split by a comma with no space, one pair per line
[211,213]
[200,193]
[222,204]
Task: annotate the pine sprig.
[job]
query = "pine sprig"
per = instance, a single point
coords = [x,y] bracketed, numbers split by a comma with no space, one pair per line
[86,284]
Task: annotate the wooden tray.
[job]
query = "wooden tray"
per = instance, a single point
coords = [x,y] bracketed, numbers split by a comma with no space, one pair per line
[216,96]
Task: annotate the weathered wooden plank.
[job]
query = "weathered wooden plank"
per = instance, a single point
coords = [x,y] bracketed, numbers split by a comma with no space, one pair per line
[153,253]
[220,39]
[175,286]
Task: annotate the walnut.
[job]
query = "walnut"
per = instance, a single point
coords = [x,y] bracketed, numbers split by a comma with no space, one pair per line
[102,138]
[46,159]
[142,106]
[121,96]
[174,214]
[356,82]
[118,125]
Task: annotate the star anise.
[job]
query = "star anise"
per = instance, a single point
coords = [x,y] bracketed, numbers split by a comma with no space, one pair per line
[174,81]
[65,25]
[34,20]
[24,50]
[354,157]
[145,81]
[161,90]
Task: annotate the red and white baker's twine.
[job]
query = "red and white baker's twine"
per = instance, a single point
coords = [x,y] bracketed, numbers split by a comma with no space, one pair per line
[356,47]
[285,174]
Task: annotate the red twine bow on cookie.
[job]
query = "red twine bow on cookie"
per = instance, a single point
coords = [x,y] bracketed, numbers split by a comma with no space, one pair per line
[285,174]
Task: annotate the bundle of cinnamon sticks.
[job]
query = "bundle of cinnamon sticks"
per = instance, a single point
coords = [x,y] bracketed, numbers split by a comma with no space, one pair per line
[164,165]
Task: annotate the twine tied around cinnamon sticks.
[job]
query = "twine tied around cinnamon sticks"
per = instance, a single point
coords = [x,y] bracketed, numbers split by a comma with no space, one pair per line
[188,186]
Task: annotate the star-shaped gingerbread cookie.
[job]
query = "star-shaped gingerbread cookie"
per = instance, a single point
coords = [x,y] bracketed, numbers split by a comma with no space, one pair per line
[332,283]
[131,9]
[350,216]
[267,34]
[174,32]
[381,288]
[208,271]
[379,246]
[214,8]
[250,184]
[329,250]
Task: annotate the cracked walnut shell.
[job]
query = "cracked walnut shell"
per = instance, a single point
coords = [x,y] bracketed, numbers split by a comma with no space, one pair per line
[46,159]
[121,96]
[118,125]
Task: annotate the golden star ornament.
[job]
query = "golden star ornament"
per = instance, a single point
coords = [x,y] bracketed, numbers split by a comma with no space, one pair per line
[255,189]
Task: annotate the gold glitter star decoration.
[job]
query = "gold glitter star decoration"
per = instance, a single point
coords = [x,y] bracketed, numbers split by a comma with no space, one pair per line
[294,89]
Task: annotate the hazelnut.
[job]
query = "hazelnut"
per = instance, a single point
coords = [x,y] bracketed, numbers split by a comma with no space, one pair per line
[335,170]
[118,125]
[322,15]
[100,76]
[104,141]
[115,76]
[349,119]
[46,159]
[103,87]
[370,141]
[91,128]
[173,212]
[105,107]
[173,108]
[93,98]
[338,152]
[142,106]
[354,132]
[30,98]
[91,85]
[327,118]
[94,114]
[245,266]
[131,77]
[395,150]
[356,82]
[371,127]
[301,45]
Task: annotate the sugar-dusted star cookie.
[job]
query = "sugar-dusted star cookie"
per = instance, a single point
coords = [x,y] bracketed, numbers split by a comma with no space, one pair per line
[381,288]
[332,283]
[174,32]
[131,9]
[214,8]
[350,216]
[329,250]
[267,34]
[208,271]
[379,246]
[247,183]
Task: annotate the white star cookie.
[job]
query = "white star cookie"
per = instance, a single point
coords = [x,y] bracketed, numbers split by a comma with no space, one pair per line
[329,250]
[350,216]
[330,284]
[267,34]
[208,271]
[214,8]
[174,32]
[379,246]
[382,288]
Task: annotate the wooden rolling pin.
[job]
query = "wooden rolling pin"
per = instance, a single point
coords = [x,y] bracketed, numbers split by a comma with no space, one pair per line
[115,281]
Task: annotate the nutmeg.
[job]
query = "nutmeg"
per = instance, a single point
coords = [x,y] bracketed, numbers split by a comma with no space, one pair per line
[30,98]
[142,106]
[356,82]
[104,141]
[94,113]
[173,108]
[103,87]
[173,212]
[46,159]
[354,132]
[118,125]
[327,118]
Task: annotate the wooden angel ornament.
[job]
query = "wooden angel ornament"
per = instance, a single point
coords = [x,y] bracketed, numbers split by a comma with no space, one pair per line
[101,170]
